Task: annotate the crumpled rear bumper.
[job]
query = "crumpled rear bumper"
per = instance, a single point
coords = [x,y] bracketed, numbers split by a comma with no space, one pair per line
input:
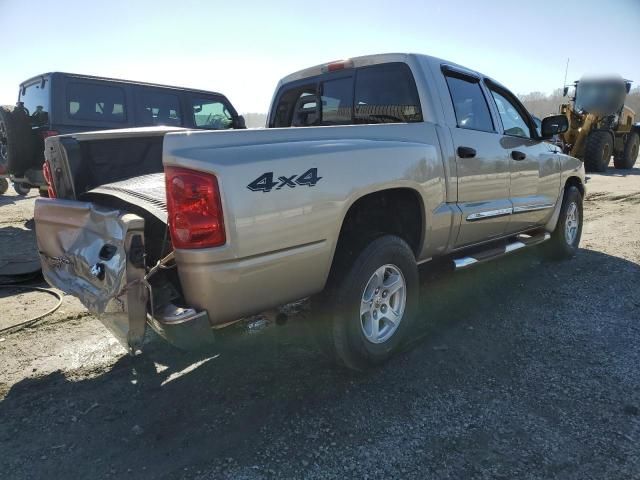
[97,255]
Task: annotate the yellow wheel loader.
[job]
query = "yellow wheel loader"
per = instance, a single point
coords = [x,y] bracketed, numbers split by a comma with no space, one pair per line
[600,124]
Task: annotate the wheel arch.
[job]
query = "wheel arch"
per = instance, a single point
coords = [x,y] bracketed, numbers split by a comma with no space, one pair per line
[363,220]
[575,181]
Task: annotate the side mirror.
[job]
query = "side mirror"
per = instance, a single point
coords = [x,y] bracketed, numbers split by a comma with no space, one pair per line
[553,125]
[565,90]
[240,122]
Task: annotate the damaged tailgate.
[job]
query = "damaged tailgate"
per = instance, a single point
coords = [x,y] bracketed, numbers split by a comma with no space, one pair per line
[96,254]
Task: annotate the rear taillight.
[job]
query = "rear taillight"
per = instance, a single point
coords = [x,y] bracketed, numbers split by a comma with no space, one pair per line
[195,209]
[46,171]
[49,133]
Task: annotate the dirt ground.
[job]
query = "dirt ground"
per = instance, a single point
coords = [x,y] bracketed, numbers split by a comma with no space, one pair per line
[520,369]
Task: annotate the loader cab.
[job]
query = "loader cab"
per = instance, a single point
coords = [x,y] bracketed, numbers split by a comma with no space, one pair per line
[601,96]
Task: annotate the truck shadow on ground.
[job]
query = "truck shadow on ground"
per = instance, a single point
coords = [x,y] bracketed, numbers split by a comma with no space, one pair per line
[13,199]
[167,411]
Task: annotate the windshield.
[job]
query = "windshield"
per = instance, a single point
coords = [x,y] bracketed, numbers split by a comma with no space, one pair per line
[601,97]
[35,96]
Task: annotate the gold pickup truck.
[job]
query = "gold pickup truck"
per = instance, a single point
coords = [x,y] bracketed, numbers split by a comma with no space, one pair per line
[368,168]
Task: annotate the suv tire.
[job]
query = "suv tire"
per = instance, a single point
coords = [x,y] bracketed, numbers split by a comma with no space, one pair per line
[627,158]
[565,238]
[4,186]
[597,151]
[22,189]
[366,317]
[16,140]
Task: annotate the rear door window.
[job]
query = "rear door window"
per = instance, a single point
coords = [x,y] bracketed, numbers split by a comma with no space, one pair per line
[159,108]
[97,103]
[211,114]
[469,103]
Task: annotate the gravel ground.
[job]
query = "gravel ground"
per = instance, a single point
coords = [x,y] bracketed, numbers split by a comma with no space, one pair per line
[520,369]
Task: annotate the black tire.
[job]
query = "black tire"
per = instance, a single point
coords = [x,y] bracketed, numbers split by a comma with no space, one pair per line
[16,139]
[21,189]
[560,245]
[597,151]
[339,315]
[4,186]
[627,158]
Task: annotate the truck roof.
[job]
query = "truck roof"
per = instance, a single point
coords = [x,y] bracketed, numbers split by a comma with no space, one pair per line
[119,80]
[369,60]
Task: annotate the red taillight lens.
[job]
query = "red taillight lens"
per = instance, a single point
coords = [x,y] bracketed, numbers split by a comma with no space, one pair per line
[46,171]
[195,209]
[49,133]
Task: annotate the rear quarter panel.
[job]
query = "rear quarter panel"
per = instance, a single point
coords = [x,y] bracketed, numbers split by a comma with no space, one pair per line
[280,243]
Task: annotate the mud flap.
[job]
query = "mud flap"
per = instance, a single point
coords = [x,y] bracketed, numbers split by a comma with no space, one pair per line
[97,255]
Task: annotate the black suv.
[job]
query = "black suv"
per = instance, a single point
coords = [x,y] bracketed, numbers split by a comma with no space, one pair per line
[58,103]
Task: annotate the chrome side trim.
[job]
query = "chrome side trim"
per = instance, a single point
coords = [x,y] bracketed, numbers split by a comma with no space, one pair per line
[533,208]
[501,212]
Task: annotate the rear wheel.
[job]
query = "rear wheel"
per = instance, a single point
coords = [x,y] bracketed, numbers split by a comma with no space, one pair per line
[597,151]
[16,141]
[367,315]
[4,186]
[627,158]
[565,238]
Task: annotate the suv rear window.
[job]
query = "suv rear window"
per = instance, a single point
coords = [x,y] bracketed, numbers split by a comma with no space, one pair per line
[377,94]
[35,97]
[98,103]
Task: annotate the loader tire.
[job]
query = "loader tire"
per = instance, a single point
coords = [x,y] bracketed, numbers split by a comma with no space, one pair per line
[597,152]
[627,158]
[16,140]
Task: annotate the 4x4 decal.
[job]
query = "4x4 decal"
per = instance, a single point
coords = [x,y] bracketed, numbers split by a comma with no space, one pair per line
[265,182]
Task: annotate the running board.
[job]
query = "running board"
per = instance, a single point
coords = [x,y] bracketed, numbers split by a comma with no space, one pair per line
[522,241]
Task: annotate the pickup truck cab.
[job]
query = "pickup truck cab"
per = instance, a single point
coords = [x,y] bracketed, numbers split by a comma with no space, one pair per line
[369,167]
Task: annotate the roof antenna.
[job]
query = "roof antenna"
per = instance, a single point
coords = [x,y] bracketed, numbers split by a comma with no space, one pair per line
[565,73]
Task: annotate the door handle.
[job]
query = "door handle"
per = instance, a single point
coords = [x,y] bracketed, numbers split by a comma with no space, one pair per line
[516,155]
[466,152]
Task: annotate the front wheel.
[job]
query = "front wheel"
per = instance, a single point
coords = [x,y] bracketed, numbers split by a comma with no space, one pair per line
[372,307]
[565,238]
[597,151]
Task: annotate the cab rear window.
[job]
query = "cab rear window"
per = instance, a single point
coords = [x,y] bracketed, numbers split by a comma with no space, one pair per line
[383,93]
